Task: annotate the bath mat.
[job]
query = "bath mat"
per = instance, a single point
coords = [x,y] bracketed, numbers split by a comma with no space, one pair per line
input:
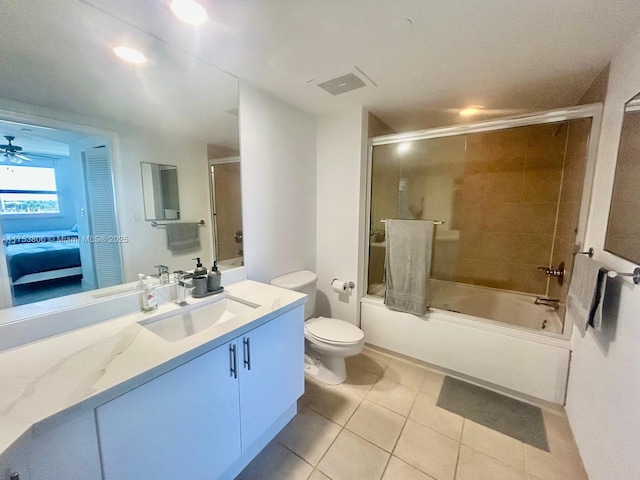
[504,414]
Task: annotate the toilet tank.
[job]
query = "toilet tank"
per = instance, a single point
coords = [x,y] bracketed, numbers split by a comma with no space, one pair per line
[302,281]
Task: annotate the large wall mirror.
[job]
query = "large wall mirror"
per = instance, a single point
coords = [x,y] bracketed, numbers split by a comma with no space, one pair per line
[79,129]
[623,229]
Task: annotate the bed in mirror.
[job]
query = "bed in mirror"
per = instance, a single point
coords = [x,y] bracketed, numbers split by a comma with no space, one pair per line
[78,131]
[623,229]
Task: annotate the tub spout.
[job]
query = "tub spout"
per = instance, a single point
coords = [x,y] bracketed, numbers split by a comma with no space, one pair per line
[549,302]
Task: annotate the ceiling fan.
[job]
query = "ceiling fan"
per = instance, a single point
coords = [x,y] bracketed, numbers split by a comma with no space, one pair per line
[14,153]
[11,152]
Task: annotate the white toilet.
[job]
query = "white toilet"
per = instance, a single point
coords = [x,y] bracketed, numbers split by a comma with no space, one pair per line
[331,340]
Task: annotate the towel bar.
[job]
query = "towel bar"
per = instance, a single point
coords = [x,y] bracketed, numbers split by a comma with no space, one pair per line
[635,275]
[156,224]
[435,222]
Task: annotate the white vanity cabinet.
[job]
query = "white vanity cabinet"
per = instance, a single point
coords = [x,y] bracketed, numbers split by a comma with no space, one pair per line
[272,372]
[196,420]
[183,424]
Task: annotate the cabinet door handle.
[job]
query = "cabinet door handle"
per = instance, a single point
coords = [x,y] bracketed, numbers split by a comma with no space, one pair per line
[246,347]
[233,361]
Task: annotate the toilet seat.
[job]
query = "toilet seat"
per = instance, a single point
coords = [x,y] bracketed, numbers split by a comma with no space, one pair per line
[333,331]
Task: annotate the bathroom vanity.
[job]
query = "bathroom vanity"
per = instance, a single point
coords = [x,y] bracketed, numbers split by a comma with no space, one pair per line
[191,392]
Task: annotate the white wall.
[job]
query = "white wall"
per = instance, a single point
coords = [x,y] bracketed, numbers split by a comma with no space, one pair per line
[278,166]
[190,156]
[341,170]
[603,402]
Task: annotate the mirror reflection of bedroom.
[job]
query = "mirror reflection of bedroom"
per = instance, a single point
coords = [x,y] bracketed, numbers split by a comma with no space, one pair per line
[56,198]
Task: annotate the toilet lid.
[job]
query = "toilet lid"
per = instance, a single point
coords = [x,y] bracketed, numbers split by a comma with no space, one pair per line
[333,330]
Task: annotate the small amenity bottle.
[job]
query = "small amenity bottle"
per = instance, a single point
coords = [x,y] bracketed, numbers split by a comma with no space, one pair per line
[149,300]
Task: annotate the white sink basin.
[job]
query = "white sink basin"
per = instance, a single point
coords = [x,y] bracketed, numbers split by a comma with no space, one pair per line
[177,325]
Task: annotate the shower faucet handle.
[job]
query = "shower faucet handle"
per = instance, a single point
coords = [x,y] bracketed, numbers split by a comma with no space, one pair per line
[555,272]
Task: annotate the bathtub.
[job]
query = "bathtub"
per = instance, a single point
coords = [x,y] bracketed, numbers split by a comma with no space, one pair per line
[512,354]
[491,305]
[513,308]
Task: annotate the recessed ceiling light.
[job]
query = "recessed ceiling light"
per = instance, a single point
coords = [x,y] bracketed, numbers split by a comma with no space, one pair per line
[189,11]
[404,147]
[473,110]
[130,55]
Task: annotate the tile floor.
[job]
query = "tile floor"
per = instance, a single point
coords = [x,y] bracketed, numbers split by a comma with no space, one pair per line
[383,423]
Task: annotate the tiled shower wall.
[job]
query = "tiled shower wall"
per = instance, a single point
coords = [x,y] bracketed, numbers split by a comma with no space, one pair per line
[507,209]
[507,204]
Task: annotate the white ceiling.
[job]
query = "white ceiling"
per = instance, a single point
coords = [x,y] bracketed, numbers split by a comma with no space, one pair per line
[57,54]
[508,55]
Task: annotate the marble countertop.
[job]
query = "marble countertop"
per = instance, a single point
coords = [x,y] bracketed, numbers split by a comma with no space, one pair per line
[44,381]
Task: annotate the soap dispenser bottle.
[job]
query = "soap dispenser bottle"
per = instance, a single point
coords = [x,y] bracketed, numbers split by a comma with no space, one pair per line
[149,300]
[213,280]
[199,271]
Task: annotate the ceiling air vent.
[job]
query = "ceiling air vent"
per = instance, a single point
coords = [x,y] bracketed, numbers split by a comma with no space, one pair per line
[342,84]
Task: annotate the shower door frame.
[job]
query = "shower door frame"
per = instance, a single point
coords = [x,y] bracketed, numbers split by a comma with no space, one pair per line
[593,111]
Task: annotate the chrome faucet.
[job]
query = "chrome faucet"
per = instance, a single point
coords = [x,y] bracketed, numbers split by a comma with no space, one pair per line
[549,302]
[163,274]
[182,287]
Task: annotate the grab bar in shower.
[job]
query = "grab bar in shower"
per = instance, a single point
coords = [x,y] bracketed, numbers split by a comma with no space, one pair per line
[435,222]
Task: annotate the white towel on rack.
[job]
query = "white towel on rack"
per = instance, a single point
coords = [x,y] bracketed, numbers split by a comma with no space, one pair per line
[583,298]
[408,265]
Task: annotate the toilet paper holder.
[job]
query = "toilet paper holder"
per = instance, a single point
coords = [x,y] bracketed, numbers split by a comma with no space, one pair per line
[350,285]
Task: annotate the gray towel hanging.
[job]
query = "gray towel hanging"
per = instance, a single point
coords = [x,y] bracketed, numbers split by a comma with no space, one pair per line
[182,236]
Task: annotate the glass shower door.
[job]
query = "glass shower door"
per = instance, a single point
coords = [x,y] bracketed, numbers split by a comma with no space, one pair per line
[509,200]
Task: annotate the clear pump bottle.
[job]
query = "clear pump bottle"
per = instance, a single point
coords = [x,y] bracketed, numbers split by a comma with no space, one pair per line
[149,300]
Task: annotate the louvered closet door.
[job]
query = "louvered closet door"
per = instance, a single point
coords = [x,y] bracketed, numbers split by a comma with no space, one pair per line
[102,217]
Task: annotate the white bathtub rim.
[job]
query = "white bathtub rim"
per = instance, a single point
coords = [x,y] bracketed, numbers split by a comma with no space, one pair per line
[509,330]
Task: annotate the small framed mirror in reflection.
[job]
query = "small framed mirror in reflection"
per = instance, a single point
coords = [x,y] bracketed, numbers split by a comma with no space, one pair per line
[623,229]
[160,191]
